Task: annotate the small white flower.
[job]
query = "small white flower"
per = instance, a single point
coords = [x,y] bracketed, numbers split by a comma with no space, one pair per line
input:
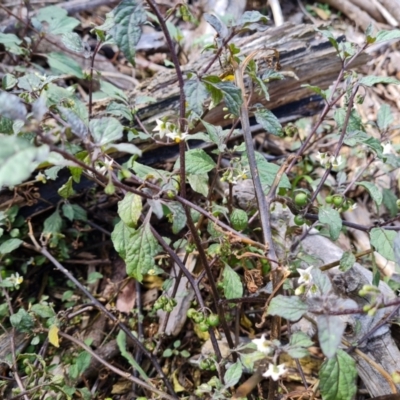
[387,148]
[305,275]
[40,177]
[336,161]
[353,207]
[263,345]
[275,371]
[176,136]
[162,128]
[323,158]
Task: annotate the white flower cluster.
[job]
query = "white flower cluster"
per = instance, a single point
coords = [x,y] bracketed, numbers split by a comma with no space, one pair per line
[274,371]
[170,130]
[326,161]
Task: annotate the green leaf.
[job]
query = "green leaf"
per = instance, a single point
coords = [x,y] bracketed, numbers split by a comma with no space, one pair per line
[374,80]
[78,126]
[12,107]
[80,365]
[8,81]
[338,377]
[53,223]
[233,374]
[299,342]
[199,183]
[354,124]
[197,162]
[239,219]
[121,236]
[10,245]
[142,249]
[72,41]
[196,94]
[288,307]
[128,148]
[385,117]
[330,331]
[43,310]
[321,280]
[178,216]
[94,277]
[347,261]
[145,172]
[327,215]
[317,90]
[130,209]
[121,341]
[382,36]
[66,190]
[11,42]
[119,110]
[232,96]
[217,24]
[22,321]
[390,201]
[252,17]
[61,63]
[129,16]
[57,20]
[359,137]
[267,172]
[268,121]
[18,159]
[382,240]
[112,91]
[68,211]
[329,35]
[105,130]
[6,125]
[231,283]
[373,191]
[217,135]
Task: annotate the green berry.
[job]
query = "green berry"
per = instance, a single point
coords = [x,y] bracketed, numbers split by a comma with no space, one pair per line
[329,199]
[198,318]
[191,313]
[213,320]
[203,326]
[203,364]
[300,199]
[299,220]
[337,200]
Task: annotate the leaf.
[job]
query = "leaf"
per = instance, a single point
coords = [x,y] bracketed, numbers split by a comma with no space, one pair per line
[124,148]
[121,341]
[121,236]
[130,209]
[231,283]
[327,215]
[360,137]
[338,377]
[78,126]
[299,342]
[53,336]
[330,331]
[382,240]
[199,183]
[8,81]
[53,223]
[6,125]
[268,121]
[288,307]
[371,80]
[57,20]
[22,321]
[9,246]
[142,249]
[390,201]
[233,374]
[72,41]
[61,63]
[178,216]
[197,162]
[11,42]
[216,134]
[373,190]
[129,16]
[385,117]
[11,107]
[232,96]
[66,190]
[94,277]
[43,310]
[82,362]
[105,130]
[321,280]
[196,94]
[330,37]
[267,172]
[239,219]
[252,17]
[112,91]
[119,110]
[217,24]
[382,36]
[347,261]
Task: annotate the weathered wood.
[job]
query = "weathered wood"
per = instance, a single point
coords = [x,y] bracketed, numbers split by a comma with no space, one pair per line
[303,51]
